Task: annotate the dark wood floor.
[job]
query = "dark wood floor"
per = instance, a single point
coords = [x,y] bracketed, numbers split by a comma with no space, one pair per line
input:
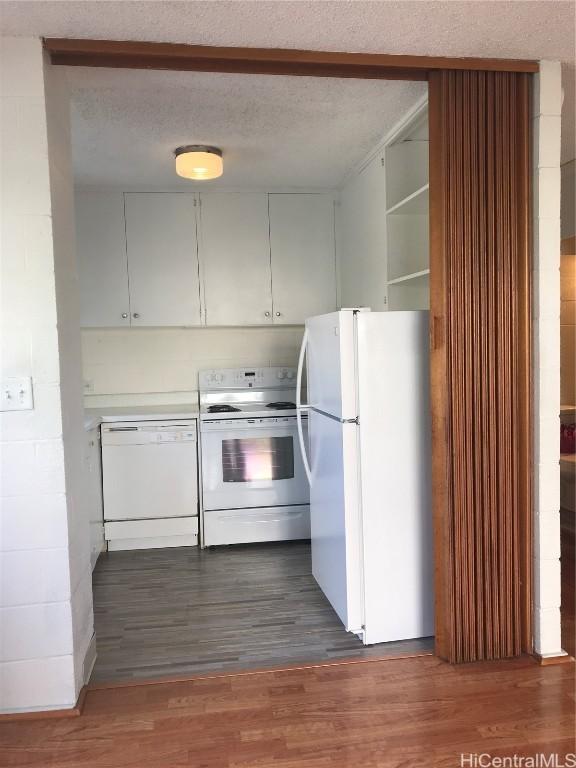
[410,713]
[175,612]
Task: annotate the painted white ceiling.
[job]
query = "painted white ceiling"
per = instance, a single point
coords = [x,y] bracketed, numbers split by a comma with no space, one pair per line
[274,131]
[543,29]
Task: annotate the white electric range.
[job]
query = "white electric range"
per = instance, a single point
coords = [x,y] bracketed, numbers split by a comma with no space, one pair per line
[254,486]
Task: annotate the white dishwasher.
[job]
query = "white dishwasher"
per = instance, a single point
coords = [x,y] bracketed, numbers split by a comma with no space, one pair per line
[150,483]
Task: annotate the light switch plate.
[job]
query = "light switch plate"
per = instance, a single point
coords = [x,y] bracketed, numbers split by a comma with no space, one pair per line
[16,394]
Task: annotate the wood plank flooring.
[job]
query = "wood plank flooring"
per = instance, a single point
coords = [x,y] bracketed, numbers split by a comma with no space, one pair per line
[175,612]
[410,713]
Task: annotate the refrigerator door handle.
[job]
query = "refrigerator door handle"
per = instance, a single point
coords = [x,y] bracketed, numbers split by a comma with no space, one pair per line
[300,407]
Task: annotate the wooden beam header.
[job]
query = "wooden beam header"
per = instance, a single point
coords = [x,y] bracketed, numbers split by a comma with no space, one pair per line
[263,61]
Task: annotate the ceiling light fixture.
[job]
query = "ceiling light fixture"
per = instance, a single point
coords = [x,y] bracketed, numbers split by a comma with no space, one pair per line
[199,162]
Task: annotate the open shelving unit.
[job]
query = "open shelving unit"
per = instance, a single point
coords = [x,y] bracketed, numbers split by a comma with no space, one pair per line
[407,218]
[414,277]
[414,204]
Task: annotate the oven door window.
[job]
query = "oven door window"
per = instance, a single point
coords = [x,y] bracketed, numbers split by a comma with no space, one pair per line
[257,458]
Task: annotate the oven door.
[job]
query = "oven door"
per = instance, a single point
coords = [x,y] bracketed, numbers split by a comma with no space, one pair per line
[252,464]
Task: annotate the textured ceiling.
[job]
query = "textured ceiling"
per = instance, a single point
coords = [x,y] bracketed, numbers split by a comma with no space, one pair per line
[517,29]
[274,131]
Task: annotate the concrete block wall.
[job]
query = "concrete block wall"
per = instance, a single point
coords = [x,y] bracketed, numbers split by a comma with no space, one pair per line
[45,608]
[547,106]
[70,358]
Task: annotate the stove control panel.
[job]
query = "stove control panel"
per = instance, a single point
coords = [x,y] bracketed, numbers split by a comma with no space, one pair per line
[246,378]
[270,422]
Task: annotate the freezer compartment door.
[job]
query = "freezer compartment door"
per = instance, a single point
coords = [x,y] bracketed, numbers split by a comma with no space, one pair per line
[335,512]
[394,408]
[331,364]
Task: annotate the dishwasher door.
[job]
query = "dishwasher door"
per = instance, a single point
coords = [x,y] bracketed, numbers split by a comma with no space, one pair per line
[150,470]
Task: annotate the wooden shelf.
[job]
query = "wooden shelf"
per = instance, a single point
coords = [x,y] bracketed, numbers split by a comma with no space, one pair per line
[414,276]
[415,203]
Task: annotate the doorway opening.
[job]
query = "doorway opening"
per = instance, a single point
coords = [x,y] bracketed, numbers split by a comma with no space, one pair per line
[316,210]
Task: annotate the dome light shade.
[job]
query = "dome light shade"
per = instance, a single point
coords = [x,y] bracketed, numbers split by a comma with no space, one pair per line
[198,162]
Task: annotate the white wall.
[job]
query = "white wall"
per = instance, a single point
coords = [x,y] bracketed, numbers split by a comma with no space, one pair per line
[547,105]
[45,601]
[133,366]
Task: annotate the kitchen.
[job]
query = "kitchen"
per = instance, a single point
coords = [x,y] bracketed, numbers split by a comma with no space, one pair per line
[194,296]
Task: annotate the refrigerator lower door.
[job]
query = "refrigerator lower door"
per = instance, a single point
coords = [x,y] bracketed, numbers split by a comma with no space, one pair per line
[394,407]
[335,516]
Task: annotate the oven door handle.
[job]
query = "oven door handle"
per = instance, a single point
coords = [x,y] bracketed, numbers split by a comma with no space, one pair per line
[300,407]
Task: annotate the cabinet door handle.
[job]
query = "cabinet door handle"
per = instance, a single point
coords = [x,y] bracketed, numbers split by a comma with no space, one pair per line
[124,315]
[136,315]
[278,314]
[266,314]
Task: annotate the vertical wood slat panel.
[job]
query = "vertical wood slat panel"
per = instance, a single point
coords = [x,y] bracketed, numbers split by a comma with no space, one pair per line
[480,362]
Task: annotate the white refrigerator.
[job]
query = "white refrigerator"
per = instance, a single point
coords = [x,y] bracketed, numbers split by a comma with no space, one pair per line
[367,458]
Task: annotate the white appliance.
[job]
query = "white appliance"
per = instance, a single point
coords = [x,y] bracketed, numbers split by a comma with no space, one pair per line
[369,469]
[150,484]
[254,485]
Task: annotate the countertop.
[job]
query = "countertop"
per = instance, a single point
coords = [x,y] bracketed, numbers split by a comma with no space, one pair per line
[93,417]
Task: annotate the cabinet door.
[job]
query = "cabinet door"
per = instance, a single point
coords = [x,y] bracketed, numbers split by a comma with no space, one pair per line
[162,258]
[303,256]
[361,227]
[101,249]
[235,258]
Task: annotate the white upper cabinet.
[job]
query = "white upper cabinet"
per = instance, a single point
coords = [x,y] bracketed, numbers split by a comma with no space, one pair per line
[235,258]
[362,238]
[219,258]
[162,259]
[101,248]
[303,256]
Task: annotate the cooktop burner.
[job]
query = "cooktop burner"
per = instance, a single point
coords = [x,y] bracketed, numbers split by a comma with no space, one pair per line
[282,406]
[222,408]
